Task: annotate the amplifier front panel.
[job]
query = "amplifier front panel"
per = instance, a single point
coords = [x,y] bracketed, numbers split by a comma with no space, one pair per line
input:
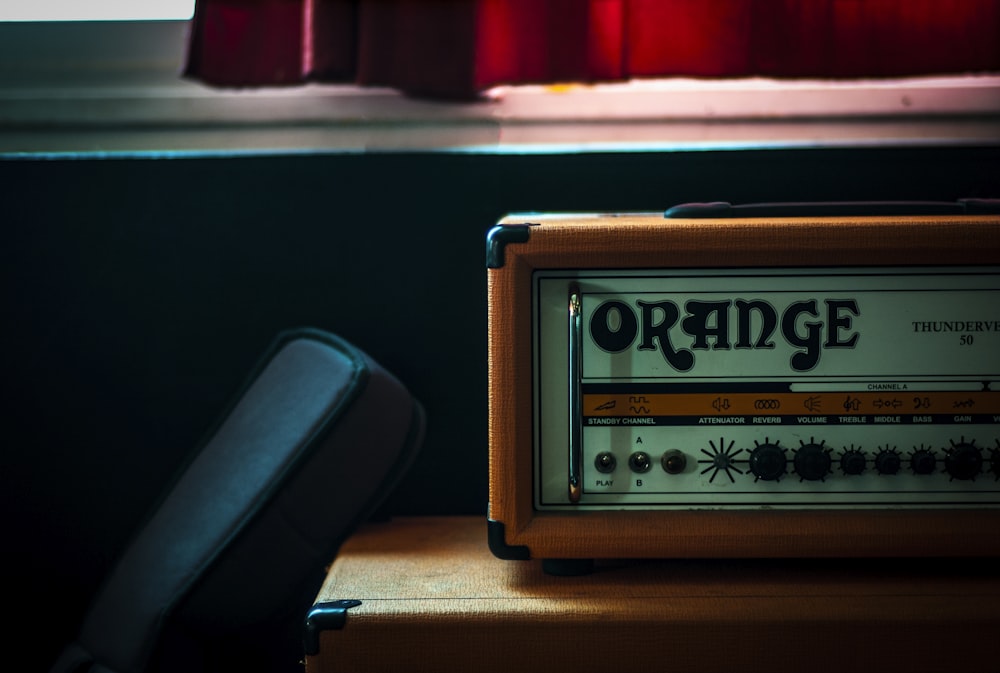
[796,388]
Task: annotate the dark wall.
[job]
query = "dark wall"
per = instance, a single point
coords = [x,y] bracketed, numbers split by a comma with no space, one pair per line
[137,293]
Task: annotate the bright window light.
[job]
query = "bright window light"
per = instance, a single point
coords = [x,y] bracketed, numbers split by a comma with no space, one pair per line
[96,10]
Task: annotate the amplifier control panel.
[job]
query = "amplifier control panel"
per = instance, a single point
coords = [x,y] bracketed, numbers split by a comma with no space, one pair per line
[777,388]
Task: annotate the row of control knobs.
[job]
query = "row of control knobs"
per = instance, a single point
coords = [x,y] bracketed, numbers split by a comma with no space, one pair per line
[813,461]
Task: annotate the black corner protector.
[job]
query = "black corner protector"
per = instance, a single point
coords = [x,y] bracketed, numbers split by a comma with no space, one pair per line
[325,616]
[497,239]
[498,543]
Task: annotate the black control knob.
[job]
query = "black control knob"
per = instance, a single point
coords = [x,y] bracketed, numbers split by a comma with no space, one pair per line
[812,461]
[673,461]
[923,461]
[853,461]
[767,461]
[995,461]
[887,461]
[963,460]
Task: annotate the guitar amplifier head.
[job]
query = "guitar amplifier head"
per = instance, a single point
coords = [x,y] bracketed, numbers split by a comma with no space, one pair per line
[770,380]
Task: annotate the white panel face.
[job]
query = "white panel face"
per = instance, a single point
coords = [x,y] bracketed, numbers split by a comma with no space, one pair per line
[797,388]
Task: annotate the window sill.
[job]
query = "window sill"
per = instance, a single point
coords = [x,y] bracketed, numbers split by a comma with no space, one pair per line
[63,106]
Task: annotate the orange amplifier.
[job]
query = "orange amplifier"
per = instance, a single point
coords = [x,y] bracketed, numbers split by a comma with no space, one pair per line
[767,380]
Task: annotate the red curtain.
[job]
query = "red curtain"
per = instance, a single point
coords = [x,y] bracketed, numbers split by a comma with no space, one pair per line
[458,48]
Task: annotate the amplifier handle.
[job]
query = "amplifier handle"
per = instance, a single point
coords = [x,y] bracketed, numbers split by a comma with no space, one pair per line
[724,209]
[575,400]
